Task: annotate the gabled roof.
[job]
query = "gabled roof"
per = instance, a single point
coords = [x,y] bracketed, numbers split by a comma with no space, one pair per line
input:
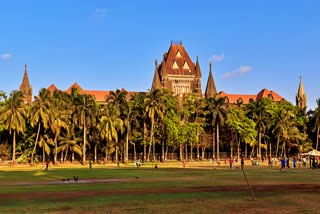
[74,85]
[177,54]
[264,93]
[99,95]
[52,88]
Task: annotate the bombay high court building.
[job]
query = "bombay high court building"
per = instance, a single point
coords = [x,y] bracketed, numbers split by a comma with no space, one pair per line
[180,74]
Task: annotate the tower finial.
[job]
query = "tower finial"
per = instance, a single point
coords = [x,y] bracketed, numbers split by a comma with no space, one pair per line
[25,67]
[210,65]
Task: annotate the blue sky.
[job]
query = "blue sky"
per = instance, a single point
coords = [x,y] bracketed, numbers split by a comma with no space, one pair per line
[105,45]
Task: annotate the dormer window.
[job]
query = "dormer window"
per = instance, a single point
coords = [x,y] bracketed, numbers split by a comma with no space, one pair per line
[186,66]
[175,65]
[178,54]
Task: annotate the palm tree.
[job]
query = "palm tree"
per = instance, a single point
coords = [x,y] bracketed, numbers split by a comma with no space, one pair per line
[217,107]
[84,115]
[40,111]
[258,111]
[154,108]
[45,143]
[281,127]
[316,116]
[129,117]
[59,119]
[68,141]
[13,115]
[109,125]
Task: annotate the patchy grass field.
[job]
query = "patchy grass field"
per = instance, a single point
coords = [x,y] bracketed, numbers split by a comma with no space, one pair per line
[198,188]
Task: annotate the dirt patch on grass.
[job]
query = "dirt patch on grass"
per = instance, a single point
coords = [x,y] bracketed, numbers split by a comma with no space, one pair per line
[167,190]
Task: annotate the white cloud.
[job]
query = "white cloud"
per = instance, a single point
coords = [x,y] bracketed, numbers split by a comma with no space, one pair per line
[100,13]
[5,56]
[241,70]
[216,58]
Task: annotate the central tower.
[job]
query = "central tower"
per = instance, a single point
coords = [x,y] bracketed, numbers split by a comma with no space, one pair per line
[177,72]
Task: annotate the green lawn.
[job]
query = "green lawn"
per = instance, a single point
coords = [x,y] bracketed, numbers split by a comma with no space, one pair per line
[168,189]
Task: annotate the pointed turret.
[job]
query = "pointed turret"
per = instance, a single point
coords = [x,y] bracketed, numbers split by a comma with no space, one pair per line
[211,86]
[156,84]
[25,87]
[197,69]
[301,97]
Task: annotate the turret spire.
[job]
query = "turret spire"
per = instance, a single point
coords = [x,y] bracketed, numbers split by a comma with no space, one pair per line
[301,97]
[211,86]
[156,84]
[25,87]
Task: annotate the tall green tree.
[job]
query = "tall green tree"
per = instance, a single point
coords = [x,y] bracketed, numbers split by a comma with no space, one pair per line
[85,116]
[40,112]
[316,118]
[154,108]
[109,125]
[13,115]
[218,109]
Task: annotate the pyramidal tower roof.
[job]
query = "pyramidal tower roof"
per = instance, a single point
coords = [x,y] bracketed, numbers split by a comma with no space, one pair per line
[25,80]
[156,84]
[25,87]
[211,86]
[301,88]
[301,97]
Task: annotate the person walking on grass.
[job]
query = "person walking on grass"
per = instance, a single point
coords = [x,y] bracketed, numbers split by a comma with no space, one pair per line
[294,162]
[231,162]
[242,163]
[283,165]
[47,164]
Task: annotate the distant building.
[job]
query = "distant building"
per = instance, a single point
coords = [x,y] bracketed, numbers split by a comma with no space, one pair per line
[181,75]
[26,88]
[177,72]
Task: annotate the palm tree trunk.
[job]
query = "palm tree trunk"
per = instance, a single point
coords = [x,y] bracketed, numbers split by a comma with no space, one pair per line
[181,152]
[14,147]
[149,152]
[72,157]
[106,153]
[35,144]
[186,151]
[166,152]
[277,149]
[317,138]
[56,148]
[259,155]
[217,140]
[162,150]
[65,157]
[134,151]
[191,148]
[127,148]
[198,151]
[246,150]
[43,155]
[270,150]
[145,144]
[95,152]
[203,149]
[213,144]
[238,150]
[84,141]
[117,158]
